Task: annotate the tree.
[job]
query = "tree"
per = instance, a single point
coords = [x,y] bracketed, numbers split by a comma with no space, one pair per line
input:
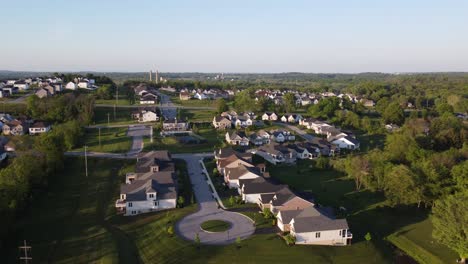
[290,239]
[197,240]
[322,162]
[366,124]
[221,106]
[326,108]
[238,242]
[170,230]
[393,114]
[459,174]
[450,220]
[368,237]
[289,102]
[232,200]
[244,101]
[401,187]
[181,201]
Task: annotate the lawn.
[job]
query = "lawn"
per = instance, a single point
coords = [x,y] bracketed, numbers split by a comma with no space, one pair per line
[407,227]
[122,115]
[198,115]
[122,101]
[69,223]
[114,140]
[213,138]
[193,102]
[215,226]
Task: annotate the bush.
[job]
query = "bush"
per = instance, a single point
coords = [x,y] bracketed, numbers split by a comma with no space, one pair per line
[267,213]
[170,230]
[290,239]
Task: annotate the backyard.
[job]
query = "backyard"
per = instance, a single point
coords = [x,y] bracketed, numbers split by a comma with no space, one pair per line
[104,115]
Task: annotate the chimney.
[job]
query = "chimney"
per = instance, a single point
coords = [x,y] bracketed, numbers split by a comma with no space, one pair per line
[151,75]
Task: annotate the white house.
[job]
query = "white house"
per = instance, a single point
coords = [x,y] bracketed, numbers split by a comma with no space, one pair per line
[252,189]
[146,116]
[233,175]
[200,96]
[71,86]
[269,116]
[152,187]
[39,127]
[346,142]
[237,138]
[148,98]
[242,121]
[21,85]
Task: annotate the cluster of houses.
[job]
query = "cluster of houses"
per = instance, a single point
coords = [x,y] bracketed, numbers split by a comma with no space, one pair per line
[152,187]
[13,86]
[145,115]
[81,83]
[342,139]
[259,138]
[229,119]
[145,94]
[11,126]
[207,94]
[304,99]
[308,223]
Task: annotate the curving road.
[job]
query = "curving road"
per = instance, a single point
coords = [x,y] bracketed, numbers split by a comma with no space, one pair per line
[189,226]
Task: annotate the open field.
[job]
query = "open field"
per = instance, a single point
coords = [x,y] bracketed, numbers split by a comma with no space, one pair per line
[122,115]
[197,115]
[114,140]
[213,139]
[366,211]
[70,224]
[193,102]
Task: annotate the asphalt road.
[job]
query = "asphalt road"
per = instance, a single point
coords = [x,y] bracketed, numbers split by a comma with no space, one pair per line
[168,109]
[189,226]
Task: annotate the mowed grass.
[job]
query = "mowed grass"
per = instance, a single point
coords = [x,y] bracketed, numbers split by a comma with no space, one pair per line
[113,140]
[123,115]
[417,241]
[198,115]
[215,226]
[213,139]
[193,102]
[69,223]
[406,227]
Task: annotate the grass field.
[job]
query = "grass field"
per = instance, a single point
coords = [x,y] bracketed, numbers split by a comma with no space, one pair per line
[193,102]
[121,101]
[122,115]
[114,140]
[198,115]
[69,224]
[213,139]
[215,226]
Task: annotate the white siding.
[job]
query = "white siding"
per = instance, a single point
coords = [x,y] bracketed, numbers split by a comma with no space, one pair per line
[329,237]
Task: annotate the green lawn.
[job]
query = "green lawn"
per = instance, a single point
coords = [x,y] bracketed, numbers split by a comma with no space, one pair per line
[215,226]
[369,142]
[407,227]
[198,115]
[416,240]
[122,101]
[69,223]
[122,115]
[193,102]
[213,139]
[114,140]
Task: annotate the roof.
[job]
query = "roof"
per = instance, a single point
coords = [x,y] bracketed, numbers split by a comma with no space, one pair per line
[163,183]
[160,158]
[258,185]
[39,124]
[231,159]
[236,172]
[318,223]
[221,119]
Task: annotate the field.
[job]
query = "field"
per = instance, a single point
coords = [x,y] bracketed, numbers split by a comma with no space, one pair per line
[122,115]
[193,102]
[114,140]
[408,227]
[70,224]
[198,115]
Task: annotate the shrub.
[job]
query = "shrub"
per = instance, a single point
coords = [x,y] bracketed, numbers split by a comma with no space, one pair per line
[290,239]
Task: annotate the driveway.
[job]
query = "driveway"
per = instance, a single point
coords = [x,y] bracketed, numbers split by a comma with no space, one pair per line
[168,109]
[137,132]
[299,131]
[189,226]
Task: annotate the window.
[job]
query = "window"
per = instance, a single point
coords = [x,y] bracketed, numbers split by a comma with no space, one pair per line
[317,235]
[340,233]
[156,203]
[151,195]
[130,204]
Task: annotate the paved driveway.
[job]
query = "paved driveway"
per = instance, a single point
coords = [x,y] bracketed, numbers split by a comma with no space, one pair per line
[189,226]
[299,131]
[137,132]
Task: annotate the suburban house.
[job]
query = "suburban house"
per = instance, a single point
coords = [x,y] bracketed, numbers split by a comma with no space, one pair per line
[251,189]
[242,121]
[229,158]
[200,96]
[233,175]
[237,138]
[256,139]
[269,116]
[42,93]
[275,153]
[152,187]
[184,96]
[39,127]
[265,136]
[148,98]
[145,116]
[15,128]
[312,227]
[175,125]
[291,118]
[21,85]
[346,142]
[282,136]
[71,86]
[220,122]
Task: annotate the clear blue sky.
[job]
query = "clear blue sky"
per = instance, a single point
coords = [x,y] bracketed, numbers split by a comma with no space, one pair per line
[235,36]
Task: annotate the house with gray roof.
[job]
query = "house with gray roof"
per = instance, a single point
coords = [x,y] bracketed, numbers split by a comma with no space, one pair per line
[152,187]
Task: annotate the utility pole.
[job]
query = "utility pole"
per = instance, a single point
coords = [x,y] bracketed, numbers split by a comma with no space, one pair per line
[114,112]
[99,137]
[108,120]
[151,134]
[86,160]
[25,248]
[117,97]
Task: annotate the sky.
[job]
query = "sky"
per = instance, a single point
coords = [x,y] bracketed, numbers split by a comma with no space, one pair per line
[234,36]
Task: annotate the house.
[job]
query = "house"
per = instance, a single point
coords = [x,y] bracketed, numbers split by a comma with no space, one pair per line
[251,189]
[10,89]
[312,227]
[42,93]
[14,128]
[256,139]
[221,122]
[291,118]
[233,175]
[346,142]
[141,89]
[184,96]
[265,136]
[39,127]
[275,153]
[269,116]
[21,85]
[231,160]
[301,152]
[148,98]
[242,121]
[282,136]
[175,125]
[145,116]
[71,86]
[237,138]
[152,187]
[367,102]
[200,96]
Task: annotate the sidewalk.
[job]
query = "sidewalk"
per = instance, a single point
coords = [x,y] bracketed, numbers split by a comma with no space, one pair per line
[210,183]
